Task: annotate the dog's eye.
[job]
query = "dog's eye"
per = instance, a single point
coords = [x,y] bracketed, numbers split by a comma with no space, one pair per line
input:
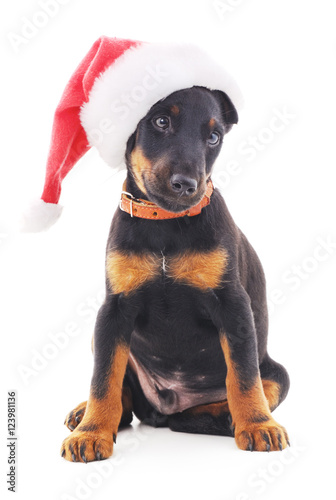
[214,138]
[162,122]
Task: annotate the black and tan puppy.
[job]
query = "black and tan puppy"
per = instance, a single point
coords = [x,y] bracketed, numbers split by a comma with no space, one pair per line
[181,339]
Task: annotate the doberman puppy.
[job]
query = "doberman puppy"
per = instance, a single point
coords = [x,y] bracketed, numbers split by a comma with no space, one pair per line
[181,339]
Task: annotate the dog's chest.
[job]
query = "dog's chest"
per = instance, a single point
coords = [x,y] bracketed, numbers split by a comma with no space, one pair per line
[129,271]
[175,348]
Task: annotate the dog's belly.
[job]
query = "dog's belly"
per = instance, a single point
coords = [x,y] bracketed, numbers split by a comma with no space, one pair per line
[173,393]
[176,352]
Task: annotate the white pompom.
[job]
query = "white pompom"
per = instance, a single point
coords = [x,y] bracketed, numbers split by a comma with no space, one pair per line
[39,216]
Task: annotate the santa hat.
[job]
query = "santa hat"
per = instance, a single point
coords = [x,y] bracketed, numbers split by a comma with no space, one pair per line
[112,89]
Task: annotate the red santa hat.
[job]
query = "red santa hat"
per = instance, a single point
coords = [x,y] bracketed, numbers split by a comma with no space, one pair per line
[112,89]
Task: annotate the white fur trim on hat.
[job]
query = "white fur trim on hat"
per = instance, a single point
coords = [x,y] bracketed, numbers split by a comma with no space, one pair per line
[39,216]
[142,76]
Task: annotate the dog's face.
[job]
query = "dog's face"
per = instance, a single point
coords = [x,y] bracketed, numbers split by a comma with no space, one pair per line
[172,152]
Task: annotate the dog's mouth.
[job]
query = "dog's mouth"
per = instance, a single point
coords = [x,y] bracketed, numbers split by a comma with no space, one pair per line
[174,202]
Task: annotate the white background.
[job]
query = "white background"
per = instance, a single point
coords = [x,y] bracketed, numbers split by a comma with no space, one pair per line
[281,195]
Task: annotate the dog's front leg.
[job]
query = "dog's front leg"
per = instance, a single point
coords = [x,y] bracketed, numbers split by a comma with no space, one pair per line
[94,436]
[254,426]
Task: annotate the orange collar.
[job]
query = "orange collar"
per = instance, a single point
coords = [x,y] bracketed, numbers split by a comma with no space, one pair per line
[147,210]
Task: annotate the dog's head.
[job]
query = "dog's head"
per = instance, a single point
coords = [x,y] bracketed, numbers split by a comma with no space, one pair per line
[171,154]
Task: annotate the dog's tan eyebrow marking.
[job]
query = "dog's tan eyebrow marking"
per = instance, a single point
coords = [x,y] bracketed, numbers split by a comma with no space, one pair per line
[199,269]
[175,110]
[212,122]
[127,272]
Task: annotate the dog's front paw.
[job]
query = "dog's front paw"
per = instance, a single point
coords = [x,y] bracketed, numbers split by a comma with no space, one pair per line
[261,436]
[87,446]
[75,416]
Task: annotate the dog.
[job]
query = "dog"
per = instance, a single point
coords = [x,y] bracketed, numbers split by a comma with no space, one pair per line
[181,339]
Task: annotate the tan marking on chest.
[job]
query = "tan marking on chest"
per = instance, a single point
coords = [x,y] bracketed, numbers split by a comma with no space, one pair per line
[199,269]
[128,272]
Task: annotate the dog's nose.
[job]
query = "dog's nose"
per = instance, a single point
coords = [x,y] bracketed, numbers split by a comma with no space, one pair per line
[183,185]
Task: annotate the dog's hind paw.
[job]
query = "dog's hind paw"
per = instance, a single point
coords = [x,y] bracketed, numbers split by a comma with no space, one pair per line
[75,416]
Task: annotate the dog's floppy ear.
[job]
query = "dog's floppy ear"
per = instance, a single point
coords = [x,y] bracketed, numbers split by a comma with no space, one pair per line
[130,146]
[230,114]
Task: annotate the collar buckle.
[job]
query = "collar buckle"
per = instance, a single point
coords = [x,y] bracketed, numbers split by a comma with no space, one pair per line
[131,199]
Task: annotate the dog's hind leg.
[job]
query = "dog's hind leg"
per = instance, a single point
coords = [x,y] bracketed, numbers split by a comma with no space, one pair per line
[75,416]
[275,381]
[213,418]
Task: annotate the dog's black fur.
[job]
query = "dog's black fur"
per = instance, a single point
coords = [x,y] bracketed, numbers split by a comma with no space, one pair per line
[187,339]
